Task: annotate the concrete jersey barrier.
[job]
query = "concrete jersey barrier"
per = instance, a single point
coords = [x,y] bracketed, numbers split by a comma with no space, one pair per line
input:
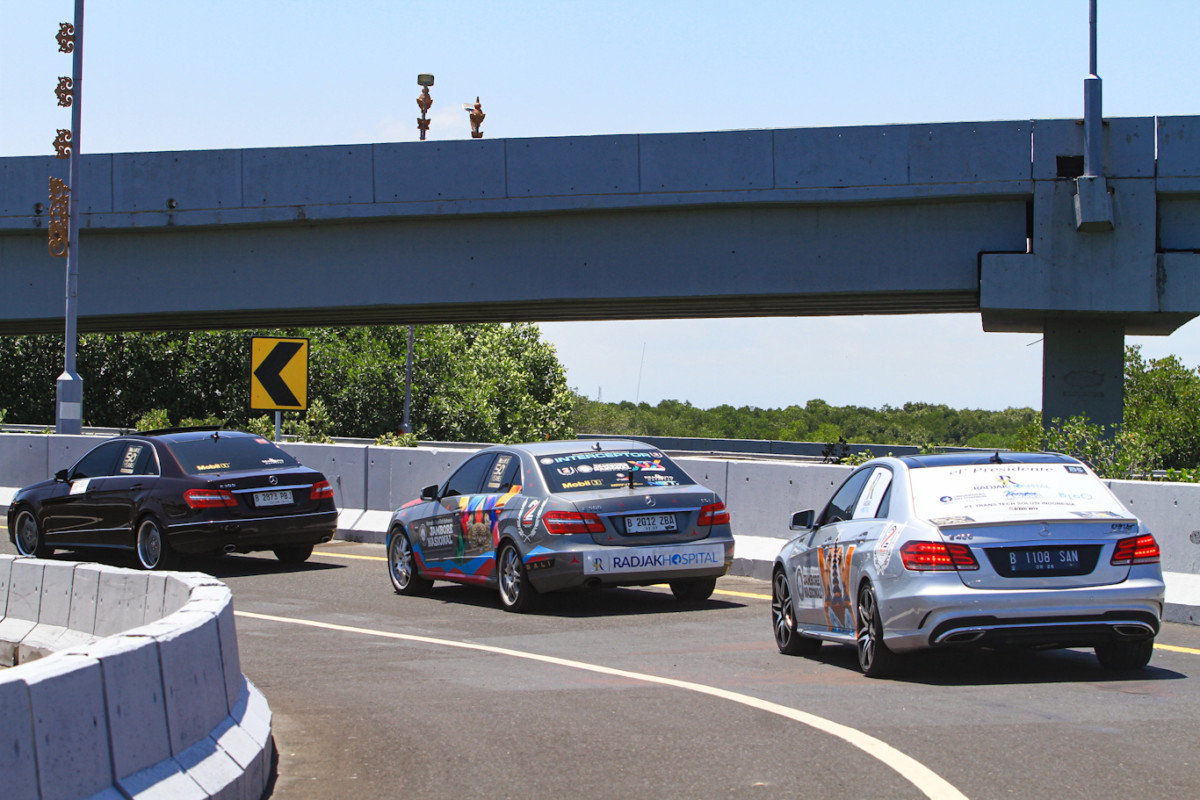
[124,684]
[371,481]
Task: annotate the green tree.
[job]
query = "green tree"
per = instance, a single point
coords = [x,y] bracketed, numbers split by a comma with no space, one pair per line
[1162,403]
[488,382]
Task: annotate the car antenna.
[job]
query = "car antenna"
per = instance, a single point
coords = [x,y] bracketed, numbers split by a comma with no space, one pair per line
[596,446]
[996,458]
[215,435]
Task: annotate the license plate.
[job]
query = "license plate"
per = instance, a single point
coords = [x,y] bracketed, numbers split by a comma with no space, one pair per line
[1043,561]
[650,523]
[262,499]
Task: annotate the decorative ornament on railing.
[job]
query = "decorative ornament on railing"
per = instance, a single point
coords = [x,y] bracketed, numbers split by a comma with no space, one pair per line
[62,144]
[65,92]
[424,102]
[60,211]
[66,37]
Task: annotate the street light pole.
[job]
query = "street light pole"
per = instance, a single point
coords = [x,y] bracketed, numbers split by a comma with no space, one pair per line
[424,102]
[69,406]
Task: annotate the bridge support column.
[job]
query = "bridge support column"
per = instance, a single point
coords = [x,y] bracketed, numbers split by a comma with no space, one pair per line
[1083,370]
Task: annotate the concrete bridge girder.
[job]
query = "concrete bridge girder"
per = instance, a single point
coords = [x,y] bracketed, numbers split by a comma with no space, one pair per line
[882,219]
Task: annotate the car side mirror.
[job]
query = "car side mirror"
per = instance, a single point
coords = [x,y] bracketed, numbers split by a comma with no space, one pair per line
[61,476]
[429,493]
[803,520]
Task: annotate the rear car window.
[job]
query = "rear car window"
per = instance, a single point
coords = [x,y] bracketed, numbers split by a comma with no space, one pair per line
[593,470]
[230,454]
[977,493]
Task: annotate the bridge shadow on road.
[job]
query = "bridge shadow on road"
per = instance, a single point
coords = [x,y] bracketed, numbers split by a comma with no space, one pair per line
[997,667]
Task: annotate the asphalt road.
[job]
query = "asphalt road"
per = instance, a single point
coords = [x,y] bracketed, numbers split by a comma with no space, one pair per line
[626,693]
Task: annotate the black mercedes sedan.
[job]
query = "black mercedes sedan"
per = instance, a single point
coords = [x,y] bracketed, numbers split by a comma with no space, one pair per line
[167,493]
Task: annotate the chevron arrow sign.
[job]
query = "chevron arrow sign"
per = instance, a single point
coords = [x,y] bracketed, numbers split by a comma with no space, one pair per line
[278,374]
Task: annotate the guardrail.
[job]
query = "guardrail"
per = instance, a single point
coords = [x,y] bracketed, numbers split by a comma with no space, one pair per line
[124,684]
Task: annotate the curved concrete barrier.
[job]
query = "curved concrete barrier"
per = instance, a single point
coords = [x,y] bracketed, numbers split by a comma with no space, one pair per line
[124,684]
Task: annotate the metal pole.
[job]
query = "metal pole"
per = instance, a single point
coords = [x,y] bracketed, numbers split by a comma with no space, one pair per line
[70,385]
[1093,117]
[406,426]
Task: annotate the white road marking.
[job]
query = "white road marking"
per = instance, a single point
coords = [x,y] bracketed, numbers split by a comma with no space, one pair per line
[924,779]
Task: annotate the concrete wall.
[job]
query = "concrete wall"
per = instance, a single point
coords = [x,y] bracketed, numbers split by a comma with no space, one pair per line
[369,482]
[124,684]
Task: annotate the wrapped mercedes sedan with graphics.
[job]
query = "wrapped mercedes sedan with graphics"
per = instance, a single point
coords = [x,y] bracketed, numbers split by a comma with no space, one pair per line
[969,549]
[534,518]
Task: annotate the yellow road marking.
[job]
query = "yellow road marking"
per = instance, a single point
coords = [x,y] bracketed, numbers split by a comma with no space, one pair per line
[922,777]
[348,555]
[1175,649]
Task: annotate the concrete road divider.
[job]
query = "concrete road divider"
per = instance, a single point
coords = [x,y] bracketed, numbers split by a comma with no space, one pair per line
[124,684]
[761,491]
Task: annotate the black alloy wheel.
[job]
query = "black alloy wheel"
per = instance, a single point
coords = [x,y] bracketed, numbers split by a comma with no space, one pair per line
[874,658]
[783,620]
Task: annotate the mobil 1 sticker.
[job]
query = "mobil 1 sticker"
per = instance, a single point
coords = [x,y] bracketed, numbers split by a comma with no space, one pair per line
[613,560]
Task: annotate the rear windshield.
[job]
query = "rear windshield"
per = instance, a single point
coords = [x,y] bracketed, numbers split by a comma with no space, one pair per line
[593,470]
[229,454]
[1011,492]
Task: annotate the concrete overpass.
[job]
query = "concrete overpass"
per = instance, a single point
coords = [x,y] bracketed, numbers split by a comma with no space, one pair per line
[864,220]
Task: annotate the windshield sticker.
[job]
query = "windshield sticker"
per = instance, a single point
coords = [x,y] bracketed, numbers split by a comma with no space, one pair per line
[129,459]
[582,484]
[872,496]
[498,470]
[986,493]
[211,467]
[270,462]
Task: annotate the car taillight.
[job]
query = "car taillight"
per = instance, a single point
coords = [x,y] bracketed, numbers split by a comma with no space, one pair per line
[567,522]
[1136,550]
[209,498]
[715,514]
[925,556]
[321,490]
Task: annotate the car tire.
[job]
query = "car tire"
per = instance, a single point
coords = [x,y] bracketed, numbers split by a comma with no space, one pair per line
[1125,655]
[402,566]
[516,592]
[783,620]
[28,536]
[693,590]
[874,658]
[153,550]
[293,553]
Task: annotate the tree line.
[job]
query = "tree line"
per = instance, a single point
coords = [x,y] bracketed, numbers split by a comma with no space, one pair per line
[481,382]
[503,383]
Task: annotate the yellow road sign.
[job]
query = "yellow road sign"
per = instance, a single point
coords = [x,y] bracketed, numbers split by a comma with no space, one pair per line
[278,374]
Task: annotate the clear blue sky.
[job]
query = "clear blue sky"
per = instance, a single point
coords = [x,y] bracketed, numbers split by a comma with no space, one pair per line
[192,74]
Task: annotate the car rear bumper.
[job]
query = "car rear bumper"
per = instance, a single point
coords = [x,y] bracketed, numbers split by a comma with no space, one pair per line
[247,535]
[1078,617]
[594,565]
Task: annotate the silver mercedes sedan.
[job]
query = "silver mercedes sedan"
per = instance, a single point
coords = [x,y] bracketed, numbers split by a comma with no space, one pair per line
[535,518]
[969,549]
